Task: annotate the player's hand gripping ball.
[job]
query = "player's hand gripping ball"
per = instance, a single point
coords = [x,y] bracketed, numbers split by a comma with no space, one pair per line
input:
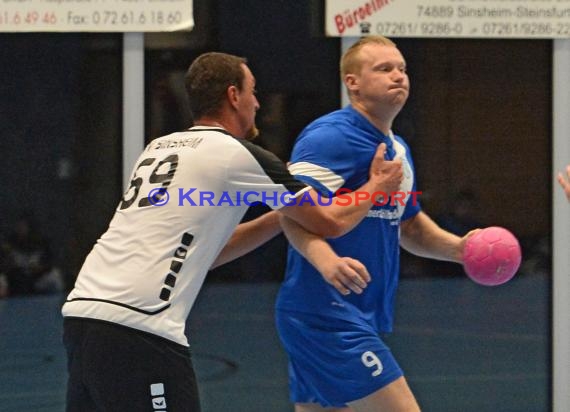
[491,256]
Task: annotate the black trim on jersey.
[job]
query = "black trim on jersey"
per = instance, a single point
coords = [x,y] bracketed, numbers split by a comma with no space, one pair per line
[211,129]
[271,164]
[273,167]
[145,312]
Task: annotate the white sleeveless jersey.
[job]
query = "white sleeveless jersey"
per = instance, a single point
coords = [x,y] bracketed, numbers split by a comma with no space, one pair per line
[188,192]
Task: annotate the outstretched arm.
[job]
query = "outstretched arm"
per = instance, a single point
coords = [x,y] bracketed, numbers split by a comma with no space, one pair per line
[326,220]
[346,211]
[249,236]
[421,236]
[565,182]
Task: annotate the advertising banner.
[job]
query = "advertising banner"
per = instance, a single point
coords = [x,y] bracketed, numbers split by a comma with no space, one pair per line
[449,18]
[95,15]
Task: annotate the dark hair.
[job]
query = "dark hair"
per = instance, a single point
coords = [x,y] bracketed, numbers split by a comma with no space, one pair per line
[208,79]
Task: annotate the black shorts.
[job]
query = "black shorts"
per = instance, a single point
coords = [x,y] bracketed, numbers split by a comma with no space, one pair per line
[113,368]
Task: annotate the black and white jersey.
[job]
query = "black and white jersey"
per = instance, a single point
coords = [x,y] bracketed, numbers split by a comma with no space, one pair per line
[188,192]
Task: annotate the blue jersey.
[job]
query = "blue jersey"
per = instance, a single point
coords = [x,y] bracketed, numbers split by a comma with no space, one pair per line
[334,152]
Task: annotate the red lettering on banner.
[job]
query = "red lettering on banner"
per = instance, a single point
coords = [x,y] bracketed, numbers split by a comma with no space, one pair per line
[339,23]
[350,18]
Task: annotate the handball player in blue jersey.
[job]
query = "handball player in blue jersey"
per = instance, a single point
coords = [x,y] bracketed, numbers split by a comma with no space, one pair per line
[329,314]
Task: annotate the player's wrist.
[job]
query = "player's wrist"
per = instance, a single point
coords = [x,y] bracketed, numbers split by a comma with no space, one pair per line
[373,187]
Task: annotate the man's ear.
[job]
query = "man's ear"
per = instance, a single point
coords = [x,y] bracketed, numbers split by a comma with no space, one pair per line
[233,95]
[351,82]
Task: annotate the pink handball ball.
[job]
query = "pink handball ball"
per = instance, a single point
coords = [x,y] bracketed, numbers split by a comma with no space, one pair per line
[492,256]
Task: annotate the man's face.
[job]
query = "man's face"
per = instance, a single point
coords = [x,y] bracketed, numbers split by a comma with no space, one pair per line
[382,79]
[248,105]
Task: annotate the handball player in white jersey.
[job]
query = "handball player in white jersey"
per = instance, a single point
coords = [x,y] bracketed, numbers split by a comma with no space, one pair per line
[124,320]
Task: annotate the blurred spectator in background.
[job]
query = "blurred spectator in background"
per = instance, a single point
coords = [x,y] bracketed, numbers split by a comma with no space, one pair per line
[169,106]
[3,277]
[463,216]
[537,256]
[274,133]
[27,265]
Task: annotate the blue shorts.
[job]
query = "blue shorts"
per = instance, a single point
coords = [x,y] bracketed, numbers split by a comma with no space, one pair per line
[333,361]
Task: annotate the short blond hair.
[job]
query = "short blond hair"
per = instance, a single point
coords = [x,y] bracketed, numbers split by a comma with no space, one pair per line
[350,62]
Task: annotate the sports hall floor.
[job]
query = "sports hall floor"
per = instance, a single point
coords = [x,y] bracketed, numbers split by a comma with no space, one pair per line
[465,348]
